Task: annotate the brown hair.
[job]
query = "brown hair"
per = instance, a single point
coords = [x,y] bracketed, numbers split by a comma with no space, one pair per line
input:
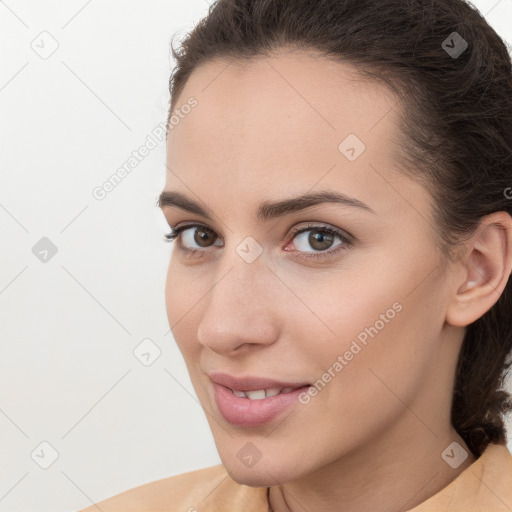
[456,131]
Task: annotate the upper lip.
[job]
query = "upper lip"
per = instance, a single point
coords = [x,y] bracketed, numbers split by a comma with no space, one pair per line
[250,383]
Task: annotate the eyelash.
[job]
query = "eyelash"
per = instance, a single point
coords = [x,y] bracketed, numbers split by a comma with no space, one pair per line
[346,243]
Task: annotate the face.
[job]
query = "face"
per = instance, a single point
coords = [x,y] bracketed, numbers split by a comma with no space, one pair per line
[342,301]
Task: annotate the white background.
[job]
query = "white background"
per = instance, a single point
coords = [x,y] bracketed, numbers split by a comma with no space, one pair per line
[68,327]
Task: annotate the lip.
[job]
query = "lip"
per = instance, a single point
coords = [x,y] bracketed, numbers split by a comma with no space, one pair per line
[252,383]
[244,412]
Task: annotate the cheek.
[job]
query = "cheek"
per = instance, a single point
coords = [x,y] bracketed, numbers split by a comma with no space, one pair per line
[380,341]
[185,287]
[347,306]
[173,285]
[374,382]
[182,301]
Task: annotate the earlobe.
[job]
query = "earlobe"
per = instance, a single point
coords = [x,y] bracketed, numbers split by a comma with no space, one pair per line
[485,269]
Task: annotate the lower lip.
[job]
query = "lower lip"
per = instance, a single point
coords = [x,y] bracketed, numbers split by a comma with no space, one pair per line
[245,412]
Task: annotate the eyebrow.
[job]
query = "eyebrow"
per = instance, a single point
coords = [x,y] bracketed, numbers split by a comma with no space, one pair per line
[268,209]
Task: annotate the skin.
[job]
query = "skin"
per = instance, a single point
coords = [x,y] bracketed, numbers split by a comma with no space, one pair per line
[372,438]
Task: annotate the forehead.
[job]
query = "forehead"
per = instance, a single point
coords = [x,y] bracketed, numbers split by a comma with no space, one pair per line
[269,125]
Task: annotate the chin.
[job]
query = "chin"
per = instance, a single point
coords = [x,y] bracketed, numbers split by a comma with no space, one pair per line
[251,476]
[262,474]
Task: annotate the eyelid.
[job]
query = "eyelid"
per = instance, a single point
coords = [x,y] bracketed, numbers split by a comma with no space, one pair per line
[322,226]
[176,230]
[293,231]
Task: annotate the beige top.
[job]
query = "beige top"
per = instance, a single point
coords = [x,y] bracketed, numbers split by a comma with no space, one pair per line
[485,486]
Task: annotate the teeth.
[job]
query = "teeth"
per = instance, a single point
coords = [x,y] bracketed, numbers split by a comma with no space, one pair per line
[256,395]
[259,394]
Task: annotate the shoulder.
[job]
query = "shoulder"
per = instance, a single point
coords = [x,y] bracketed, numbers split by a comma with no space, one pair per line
[166,494]
[201,490]
[486,485]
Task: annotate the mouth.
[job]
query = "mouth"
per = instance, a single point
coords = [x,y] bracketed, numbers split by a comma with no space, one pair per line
[253,401]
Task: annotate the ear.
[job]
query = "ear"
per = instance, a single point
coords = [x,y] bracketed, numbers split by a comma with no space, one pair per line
[483,271]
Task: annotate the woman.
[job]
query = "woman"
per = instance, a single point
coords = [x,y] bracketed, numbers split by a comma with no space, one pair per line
[338,187]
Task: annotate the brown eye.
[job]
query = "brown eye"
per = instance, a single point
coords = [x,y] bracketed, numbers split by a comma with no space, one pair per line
[203,237]
[320,241]
[317,238]
[315,242]
[311,242]
[194,237]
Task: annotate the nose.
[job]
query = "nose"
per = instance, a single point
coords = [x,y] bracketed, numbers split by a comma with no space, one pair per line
[241,309]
